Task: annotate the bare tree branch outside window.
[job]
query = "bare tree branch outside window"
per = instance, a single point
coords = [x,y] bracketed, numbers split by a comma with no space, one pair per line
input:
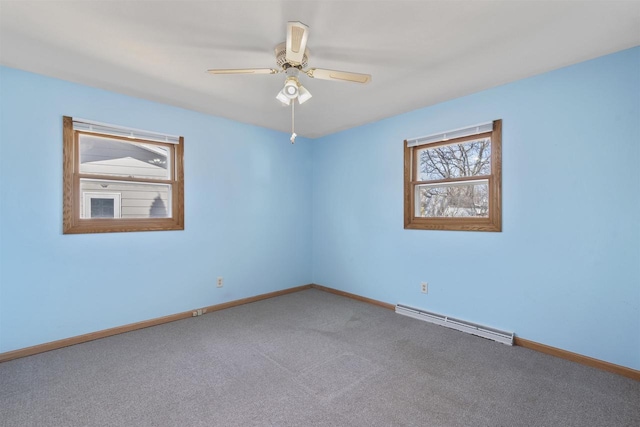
[458,199]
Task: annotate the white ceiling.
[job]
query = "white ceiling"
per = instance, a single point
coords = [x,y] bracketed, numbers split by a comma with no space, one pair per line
[419,52]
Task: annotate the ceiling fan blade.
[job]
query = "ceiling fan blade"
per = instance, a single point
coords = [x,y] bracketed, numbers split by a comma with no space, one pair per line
[243,71]
[319,73]
[297,35]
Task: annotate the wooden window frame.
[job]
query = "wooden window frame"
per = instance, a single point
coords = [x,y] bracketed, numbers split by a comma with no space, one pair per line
[491,223]
[72,223]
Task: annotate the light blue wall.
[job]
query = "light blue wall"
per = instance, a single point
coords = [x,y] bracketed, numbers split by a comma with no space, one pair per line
[266,215]
[565,270]
[247,217]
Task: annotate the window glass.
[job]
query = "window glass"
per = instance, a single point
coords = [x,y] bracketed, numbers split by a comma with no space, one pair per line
[114,157]
[102,208]
[137,199]
[453,200]
[468,158]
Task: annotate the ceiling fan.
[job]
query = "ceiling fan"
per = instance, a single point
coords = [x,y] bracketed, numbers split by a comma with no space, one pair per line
[292,57]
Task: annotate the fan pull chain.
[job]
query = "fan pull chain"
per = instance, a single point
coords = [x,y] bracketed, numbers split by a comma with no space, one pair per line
[293,132]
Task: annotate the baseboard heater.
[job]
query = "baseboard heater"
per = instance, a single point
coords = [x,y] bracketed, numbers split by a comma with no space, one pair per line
[460,325]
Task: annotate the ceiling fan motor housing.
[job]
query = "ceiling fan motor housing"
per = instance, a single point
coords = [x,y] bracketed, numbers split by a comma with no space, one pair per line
[281,57]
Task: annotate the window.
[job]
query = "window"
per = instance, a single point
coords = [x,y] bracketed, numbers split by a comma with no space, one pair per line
[101,205]
[452,180]
[118,179]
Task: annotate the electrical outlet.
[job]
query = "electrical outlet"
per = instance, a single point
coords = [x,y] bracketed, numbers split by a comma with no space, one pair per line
[220,282]
[424,287]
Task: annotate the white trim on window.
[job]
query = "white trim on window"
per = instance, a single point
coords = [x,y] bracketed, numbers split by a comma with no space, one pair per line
[85,125]
[451,134]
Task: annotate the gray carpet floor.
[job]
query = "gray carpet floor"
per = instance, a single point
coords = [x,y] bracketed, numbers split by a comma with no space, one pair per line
[309,358]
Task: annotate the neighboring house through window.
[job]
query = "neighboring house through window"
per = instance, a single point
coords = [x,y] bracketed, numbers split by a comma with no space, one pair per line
[120,179]
[452,180]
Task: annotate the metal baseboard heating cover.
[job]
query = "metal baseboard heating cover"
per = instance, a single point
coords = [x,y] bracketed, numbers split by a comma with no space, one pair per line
[460,325]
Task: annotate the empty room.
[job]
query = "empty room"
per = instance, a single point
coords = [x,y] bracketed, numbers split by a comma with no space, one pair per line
[319,213]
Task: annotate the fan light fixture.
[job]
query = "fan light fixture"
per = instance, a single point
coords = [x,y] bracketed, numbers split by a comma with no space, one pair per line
[290,89]
[304,95]
[293,90]
[283,98]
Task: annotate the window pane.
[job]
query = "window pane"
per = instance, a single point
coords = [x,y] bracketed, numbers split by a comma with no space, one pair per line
[137,200]
[453,200]
[469,158]
[102,208]
[107,156]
